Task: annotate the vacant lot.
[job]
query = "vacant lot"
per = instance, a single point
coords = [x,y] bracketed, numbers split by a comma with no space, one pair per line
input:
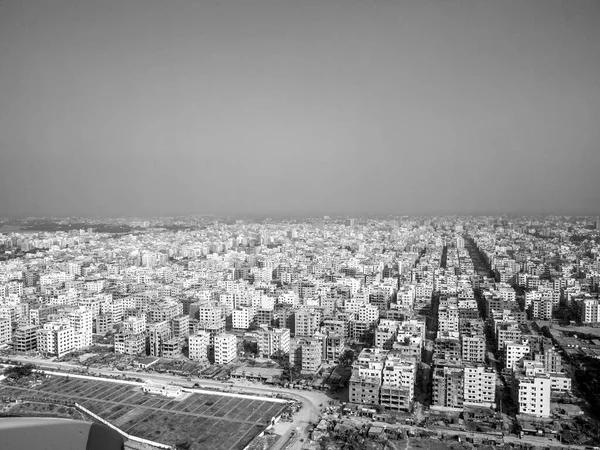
[202,421]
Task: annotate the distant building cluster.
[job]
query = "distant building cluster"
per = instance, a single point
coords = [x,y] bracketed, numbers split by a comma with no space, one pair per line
[447,303]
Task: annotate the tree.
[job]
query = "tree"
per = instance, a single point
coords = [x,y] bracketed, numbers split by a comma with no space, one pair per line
[250,347]
[347,358]
[19,372]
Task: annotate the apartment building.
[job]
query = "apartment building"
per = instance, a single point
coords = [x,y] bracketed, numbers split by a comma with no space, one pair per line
[533,395]
[588,310]
[306,353]
[158,333]
[515,352]
[198,346]
[241,317]
[506,332]
[334,344]
[25,338]
[473,348]
[398,382]
[82,323]
[479,386]
[550,359]
[55,338]
[225,348]
[307,321]
[5,330]
[180,327]
[130,343]
[448,345]
[364,391]
[448,319]
[312,355]
[273,342]
[448,386]
[385,334]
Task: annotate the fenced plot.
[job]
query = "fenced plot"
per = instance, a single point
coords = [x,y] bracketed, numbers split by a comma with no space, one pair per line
[200,420]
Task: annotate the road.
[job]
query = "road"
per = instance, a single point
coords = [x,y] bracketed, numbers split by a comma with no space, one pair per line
[311,401]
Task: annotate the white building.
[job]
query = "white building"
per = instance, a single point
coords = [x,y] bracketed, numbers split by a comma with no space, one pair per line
[241,318]
[479,386]
[5,330]
[589,310]
[198,346]
[225,348]
[81,322]
[514,352]
[400,372]
[161,389]
[534,395]
[55,338]
[559,382]
[135,324]
[273,342]
[448,318]
[368,313]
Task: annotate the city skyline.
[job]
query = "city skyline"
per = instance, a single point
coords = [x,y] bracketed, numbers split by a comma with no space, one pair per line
[268,107]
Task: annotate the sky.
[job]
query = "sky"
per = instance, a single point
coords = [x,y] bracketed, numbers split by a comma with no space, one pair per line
[143,107]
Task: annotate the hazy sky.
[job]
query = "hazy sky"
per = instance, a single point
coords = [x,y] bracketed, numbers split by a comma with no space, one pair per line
[251,106]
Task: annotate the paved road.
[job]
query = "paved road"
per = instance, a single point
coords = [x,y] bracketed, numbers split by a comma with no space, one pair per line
[309,414]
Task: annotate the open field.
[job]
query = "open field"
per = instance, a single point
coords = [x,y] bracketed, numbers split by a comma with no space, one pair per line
[202,421]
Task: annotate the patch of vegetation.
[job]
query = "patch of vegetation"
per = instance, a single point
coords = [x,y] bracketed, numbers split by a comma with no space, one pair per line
[18,372]
[347,358]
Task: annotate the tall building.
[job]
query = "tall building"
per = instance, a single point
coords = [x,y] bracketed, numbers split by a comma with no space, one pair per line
[273,342]
[366,379]
[5,330]
[398,382]
[241,317]
[479,386]
[364,391]
[589,310]
[533,395]
[81,321]
[447,346]
[25,338]
[307,321]
[385,335]
[129,343]
[158,333]
[333,348]
[198,346]
[514,352]
[448,386]
[306,353]
[551,360]
[473,348]
[55,338]
[312,355]
[180,327]
[448,318]
[225,348]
